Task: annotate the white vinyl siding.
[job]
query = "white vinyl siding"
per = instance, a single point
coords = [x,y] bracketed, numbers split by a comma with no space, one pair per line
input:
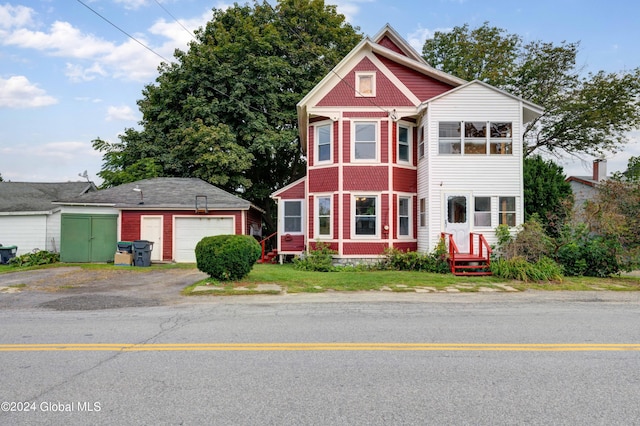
[479,175]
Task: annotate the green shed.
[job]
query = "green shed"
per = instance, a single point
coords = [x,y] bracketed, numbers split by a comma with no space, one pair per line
[88,237]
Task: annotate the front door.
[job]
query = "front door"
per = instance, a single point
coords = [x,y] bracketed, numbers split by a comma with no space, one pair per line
[456,219]
[151,230]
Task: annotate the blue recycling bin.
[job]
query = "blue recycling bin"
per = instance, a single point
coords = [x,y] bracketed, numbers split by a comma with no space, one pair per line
[7,253]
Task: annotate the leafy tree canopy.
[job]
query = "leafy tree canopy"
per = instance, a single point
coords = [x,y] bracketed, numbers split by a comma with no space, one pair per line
[589,114]
[225,111]
[547,194]
[632,174]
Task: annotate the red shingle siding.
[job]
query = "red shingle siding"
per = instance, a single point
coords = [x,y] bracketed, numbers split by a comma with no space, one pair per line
[323,180]
[363,248]
[346,216]
[346,141]
[422,86]
[384,217]
[311,151]
[404,180]
[292,243]
[386,42]
[332,246]
[384,137]
[409,246]
[296,192]
[366,178]
[344,92]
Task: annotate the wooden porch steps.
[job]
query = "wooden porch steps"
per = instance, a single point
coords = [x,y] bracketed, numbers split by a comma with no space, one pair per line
[270,257]
[476,262]
[466,264]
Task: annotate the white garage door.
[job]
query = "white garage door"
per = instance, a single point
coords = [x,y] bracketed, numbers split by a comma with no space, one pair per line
[188,231]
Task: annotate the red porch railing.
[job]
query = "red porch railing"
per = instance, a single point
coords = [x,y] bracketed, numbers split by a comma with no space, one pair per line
[476,262]
[263,243]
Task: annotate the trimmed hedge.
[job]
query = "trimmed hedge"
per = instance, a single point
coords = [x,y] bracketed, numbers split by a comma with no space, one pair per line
[227,257]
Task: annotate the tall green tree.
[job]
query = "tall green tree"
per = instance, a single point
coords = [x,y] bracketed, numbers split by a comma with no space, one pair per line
[584,114]
[225,110]
[546,193]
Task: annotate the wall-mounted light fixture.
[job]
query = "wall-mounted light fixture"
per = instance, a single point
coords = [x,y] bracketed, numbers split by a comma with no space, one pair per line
[136,189]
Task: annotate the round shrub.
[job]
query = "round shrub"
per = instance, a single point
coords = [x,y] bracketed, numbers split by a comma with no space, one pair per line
[227,257]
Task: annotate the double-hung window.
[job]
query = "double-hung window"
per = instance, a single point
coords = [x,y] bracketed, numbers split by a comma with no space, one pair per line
[365,144]
[324,217]
[501,141]
[323,137]
[423,212]
[404,216]
[421,132]
[507,211]
[366,216]
[404,144]
[482,211]
[449,137]
[293,216]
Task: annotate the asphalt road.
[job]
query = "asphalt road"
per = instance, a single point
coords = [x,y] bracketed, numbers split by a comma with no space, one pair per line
[242,361]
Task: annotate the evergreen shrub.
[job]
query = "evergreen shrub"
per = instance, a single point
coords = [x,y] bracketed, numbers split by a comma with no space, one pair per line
[227,257]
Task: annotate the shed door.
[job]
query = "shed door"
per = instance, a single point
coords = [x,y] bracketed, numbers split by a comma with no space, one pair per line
[88,238]
[457,219]
[188,231]
[151,230]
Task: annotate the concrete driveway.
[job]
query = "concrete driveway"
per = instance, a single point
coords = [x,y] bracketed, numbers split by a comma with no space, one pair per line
[75,288]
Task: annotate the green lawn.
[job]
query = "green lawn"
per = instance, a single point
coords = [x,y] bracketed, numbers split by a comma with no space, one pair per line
[295,281]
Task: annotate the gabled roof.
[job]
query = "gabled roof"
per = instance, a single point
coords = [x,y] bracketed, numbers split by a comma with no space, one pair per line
[38,197]
[161,193]
[408,57]
[531,110]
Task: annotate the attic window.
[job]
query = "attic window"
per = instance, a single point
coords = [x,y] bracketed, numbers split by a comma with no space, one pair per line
[366,84]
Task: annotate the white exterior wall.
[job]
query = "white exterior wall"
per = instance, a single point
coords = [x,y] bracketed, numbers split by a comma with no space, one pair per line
[52,242]
[477,175]
[27,231]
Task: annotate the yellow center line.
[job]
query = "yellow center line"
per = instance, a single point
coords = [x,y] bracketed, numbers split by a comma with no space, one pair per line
[319,346]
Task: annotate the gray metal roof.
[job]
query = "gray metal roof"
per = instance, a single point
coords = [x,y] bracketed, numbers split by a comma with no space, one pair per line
[38,197]
[161,193]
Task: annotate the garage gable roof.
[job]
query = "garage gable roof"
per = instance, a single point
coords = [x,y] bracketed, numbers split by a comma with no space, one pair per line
[162,193]
[38,196]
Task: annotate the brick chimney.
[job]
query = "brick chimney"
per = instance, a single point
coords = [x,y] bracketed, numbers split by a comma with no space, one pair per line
[599,169]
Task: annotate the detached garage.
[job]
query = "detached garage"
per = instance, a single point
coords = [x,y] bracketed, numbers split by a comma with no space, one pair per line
[173,213]
[189,230]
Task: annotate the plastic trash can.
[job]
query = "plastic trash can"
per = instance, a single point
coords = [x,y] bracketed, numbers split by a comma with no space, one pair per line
[125,247]
[142,252]
[6,253]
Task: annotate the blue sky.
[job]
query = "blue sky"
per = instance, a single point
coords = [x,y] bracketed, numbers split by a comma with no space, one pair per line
[68,77]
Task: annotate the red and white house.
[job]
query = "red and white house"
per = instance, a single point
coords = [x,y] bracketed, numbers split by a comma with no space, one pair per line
[399,153]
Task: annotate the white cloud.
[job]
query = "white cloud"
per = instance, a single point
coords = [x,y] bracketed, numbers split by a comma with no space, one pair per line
[18,92]
[132,4]
[76,72]
[62,40]
[15,16]
[417,38]
[122,113]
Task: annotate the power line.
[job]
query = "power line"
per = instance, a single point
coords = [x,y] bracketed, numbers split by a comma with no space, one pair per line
[176,20]
[124,32]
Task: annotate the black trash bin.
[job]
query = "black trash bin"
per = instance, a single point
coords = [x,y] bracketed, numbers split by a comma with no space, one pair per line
[6,253]
[125,247]
[142,252]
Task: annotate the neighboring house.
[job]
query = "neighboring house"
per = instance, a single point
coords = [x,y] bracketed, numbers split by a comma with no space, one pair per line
[173,213]
[28,217]
[585,188]
[398,153]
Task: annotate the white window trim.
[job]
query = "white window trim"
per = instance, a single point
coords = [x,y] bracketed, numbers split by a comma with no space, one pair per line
[317,142]
[302,217]
[355,236]
[410,216]
[360,74]
[409,142]
[353,142]
[316,226]
[488,139]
